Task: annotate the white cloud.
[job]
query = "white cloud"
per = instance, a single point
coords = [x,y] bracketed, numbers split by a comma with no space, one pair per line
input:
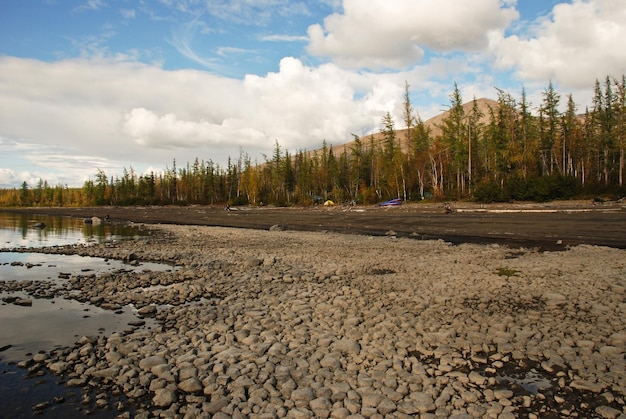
[182,40]
[395,33]
[255,12]
[284,38]
[118,112]
[91,5]
[225,51]
[9,178]
[170,132]
[57,164]
[128,13]
[578,43]
[115,114]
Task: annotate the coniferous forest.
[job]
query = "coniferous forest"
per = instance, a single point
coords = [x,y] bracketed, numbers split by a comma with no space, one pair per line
[484,150]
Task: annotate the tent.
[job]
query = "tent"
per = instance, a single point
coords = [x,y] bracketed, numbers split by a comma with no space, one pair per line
[391,203]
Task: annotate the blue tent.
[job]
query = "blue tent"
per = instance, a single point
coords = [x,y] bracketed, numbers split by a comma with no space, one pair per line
[391,203]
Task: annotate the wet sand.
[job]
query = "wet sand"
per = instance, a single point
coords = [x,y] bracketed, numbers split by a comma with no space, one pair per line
[548,226]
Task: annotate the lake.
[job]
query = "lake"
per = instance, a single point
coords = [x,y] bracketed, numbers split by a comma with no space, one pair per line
[51,323]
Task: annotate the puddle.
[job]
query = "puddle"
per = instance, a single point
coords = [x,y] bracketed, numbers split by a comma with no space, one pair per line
[42,266]
[53,323]
[531,381]
[58,322]
[24,230]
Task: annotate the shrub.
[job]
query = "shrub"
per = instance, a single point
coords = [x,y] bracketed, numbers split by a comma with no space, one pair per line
[488,192]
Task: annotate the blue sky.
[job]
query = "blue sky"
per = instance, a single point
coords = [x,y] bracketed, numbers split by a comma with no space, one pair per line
[113,84]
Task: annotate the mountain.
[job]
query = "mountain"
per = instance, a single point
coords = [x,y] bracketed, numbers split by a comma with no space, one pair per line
[433,123]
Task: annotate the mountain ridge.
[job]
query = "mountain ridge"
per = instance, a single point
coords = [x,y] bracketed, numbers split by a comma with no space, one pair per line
[433,123]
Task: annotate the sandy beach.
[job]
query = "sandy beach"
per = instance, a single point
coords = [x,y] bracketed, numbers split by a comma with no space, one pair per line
[282,323]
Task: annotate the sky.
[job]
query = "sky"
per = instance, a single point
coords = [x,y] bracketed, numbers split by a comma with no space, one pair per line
[88,85]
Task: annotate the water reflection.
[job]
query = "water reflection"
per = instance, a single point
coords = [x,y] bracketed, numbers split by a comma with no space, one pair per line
[53,322]
[22,328]
[25,230]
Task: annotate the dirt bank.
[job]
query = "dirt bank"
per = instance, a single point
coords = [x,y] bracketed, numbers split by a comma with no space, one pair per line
[550,226]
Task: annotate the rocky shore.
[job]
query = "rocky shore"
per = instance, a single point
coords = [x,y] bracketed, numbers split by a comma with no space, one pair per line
[269,324]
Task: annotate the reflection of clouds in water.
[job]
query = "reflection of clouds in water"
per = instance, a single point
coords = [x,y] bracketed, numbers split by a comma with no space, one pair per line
[18,230]
[49,266]
[48,323]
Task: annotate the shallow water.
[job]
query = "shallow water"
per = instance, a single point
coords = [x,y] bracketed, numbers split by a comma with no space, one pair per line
[22,230]
[16,266]
[56,322]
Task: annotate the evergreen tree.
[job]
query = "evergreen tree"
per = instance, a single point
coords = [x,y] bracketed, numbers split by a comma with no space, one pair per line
[550,122]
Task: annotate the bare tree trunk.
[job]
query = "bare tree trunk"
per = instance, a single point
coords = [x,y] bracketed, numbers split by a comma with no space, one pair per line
[420,181]
[621,167]
[606,166]
[434,175]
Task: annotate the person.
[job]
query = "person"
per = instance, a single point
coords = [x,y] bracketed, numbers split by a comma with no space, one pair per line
[227,207]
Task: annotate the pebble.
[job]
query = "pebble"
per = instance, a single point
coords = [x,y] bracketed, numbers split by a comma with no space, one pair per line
[302,325]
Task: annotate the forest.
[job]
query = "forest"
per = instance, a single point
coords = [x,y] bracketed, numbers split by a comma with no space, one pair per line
[483,150]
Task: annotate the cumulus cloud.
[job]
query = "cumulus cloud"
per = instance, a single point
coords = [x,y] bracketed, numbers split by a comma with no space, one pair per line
[57,164]
[115,112]
[10,178]
[170,132]
[119,113]
[395,33]
[577,43]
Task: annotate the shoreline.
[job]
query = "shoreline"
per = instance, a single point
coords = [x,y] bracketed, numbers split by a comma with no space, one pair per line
[547,226]
[322,324]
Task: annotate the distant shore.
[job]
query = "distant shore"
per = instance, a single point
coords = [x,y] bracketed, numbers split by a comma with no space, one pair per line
[548,226]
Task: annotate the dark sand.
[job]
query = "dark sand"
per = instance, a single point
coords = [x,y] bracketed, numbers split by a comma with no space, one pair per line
[550,226]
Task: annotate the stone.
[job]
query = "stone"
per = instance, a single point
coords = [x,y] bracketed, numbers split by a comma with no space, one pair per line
[164,397]
[554,298]
[477,378]
[106,372]
[587,386]
[321,407]
[608,412]
[310,324]
[386,406]
[113,357]
[58,367]
[340,413]
[76,382]
[302,396]
[253,262]
[149,362]
[424,402]
[147,311]
[500,394]
[330,362]
[24,302]
[370,399]
[408,408]
[347,346]
[191,385]
[216,405]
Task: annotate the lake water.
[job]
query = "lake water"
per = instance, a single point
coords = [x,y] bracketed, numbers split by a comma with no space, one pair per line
[55,322]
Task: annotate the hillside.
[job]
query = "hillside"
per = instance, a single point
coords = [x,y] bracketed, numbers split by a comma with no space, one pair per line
[432,123]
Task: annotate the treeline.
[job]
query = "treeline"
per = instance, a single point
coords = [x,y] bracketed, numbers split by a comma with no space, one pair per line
[499,152]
